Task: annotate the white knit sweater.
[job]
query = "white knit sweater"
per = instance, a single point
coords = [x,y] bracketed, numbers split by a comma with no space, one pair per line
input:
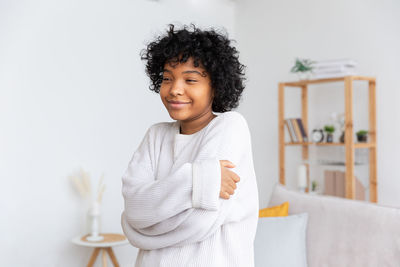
[173,211]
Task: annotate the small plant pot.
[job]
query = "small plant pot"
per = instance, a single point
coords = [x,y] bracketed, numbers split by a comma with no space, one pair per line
[362,138]
[329,138]
[305,75]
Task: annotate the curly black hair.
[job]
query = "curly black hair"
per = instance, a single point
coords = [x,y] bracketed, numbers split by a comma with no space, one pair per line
[212,49]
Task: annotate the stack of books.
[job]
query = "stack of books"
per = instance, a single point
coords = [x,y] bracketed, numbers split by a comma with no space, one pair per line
[334,68]
[297,131]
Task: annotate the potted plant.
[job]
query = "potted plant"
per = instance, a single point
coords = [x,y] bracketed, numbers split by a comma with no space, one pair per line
[329,129]
[362,136]
[303,68]
[314,185]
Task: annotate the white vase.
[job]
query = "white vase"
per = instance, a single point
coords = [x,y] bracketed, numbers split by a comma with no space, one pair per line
[94,222]
[302,178]
[306,75]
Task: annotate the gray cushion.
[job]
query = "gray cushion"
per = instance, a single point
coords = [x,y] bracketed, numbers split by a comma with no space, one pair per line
[281,241]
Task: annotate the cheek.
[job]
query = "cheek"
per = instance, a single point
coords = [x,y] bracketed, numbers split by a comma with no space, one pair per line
[163,92]
[201,94]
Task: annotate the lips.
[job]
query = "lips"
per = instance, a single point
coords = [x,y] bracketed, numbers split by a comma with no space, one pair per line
[175,104]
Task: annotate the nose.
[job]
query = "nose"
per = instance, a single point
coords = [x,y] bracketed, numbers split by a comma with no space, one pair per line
[177,88]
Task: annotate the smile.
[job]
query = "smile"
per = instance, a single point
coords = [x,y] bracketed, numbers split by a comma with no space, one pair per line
[177,104]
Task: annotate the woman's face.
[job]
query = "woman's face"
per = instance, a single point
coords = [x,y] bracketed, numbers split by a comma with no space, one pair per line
[186,91]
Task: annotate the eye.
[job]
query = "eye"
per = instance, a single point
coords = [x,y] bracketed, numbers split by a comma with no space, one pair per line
[165,79]
[191,80]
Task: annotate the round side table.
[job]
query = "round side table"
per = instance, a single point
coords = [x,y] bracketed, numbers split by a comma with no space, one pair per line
[105,245]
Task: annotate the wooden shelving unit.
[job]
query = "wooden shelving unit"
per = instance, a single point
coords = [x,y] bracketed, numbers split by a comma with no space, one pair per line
[349,144]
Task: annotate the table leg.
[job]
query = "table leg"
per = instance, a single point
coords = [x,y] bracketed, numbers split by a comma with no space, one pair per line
[112,256]
[104,257]
[93,257]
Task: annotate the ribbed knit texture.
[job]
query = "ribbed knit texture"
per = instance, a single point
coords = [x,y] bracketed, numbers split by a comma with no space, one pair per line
[173,212]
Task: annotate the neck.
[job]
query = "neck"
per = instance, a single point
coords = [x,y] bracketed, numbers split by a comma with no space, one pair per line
[193,125]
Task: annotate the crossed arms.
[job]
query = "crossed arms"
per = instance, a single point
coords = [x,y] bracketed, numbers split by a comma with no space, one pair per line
[184,207]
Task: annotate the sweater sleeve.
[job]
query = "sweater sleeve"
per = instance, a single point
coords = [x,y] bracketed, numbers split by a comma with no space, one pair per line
[197,223]
[149,201]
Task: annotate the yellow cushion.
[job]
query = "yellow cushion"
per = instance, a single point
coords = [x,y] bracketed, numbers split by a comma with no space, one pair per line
[276,211]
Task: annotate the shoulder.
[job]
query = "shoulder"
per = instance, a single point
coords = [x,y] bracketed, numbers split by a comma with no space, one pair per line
[153,133]
[230,127]
[159,128]
[227,122]
[235,121]
[235,141]
[236,130]
[234,117]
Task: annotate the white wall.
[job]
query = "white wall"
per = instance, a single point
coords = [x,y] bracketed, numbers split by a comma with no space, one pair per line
[73,92]
[272,33]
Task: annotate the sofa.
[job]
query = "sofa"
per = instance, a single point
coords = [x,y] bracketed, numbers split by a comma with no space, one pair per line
[343,232]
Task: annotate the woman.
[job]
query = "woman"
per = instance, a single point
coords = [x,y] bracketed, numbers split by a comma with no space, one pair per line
[190,188]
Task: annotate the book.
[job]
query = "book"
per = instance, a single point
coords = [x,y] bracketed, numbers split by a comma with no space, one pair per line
[289,131]
[329,183]
[334,62]
[302,130]
[297,130]
[340,184]
[335,69]
[333,75]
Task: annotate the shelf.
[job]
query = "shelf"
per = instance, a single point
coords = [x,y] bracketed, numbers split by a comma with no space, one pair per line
[351,146]
[333,163]
[356,145]
[327,80]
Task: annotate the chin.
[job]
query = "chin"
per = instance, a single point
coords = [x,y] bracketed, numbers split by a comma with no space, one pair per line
[178,115]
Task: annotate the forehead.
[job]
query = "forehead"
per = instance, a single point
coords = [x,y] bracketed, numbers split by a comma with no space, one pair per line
[185,67]
[189,64]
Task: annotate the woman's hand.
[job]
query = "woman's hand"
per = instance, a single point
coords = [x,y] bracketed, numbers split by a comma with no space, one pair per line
[228,179]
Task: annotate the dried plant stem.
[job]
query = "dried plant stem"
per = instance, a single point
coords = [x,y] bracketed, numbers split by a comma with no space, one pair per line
[78,185]
[100,195]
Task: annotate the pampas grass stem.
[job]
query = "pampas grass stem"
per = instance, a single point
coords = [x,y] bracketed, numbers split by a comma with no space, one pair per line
[100,195]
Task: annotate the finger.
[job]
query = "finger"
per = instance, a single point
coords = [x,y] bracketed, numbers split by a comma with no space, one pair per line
[227,195]
[235,178]
[224,195]
[232,184]
[229,183]
[229,190]
[227,163]
[234,187]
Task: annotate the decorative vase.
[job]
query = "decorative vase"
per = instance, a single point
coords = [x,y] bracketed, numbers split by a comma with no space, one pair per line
[304,75]
[302,177]
[94,222]
[329,138]
[362,138]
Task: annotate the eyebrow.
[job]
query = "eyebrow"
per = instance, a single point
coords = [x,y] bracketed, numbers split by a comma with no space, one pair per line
[188,71]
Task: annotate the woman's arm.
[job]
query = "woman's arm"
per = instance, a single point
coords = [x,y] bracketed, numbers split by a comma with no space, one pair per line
[196,224]
[149,201]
